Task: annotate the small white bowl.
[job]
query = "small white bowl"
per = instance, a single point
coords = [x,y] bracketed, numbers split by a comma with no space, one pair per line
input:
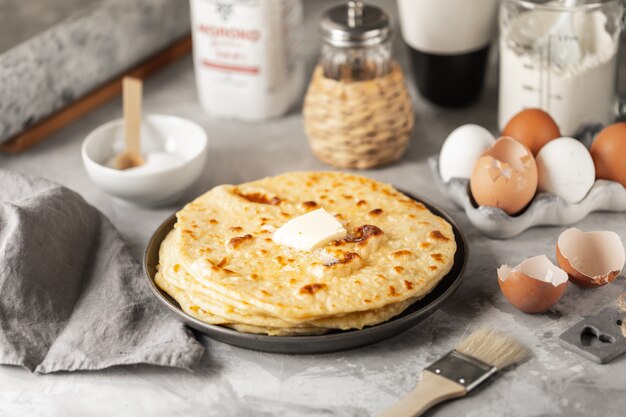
[146,186]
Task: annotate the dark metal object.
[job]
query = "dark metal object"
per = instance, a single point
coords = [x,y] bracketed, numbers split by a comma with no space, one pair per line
[463,369]
[598,338]
[330,342]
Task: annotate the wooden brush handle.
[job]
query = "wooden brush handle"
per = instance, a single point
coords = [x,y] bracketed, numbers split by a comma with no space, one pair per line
[432,389]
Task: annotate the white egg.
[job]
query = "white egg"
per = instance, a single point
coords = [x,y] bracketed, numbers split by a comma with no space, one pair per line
[461,150]
[566,169]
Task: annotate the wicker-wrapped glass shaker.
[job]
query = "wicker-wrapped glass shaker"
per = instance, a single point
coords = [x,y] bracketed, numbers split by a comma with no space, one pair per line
[357,110]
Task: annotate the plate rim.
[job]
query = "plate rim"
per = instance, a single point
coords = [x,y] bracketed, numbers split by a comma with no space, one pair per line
[337,336]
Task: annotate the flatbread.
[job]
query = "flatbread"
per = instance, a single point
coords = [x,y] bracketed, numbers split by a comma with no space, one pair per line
[396,253]
[220,310]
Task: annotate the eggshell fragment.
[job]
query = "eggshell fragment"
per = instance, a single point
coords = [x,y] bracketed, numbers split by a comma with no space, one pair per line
[461,149]
[591,259]
[534,285]
[533,127]
[565,169]
[505,176]
[608,151]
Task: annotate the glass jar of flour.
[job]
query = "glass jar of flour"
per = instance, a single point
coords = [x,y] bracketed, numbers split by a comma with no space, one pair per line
[560,56]
[246,57]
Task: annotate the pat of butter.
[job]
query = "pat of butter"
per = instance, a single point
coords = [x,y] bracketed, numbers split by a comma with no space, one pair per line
[309,231]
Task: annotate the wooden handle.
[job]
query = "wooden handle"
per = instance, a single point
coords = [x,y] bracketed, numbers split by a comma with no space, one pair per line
[131,88]
[432,389]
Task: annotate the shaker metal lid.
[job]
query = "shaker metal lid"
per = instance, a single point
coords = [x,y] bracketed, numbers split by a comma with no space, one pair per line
[355,25]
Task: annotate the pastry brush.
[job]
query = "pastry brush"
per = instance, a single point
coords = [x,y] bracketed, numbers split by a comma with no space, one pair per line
[477,358]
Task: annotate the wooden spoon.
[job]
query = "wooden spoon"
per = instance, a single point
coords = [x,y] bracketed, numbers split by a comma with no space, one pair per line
[131,156]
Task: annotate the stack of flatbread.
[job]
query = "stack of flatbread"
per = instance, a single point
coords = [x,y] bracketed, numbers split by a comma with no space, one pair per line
[222,266]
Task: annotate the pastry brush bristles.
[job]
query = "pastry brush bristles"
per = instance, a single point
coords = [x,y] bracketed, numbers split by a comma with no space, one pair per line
[493,348]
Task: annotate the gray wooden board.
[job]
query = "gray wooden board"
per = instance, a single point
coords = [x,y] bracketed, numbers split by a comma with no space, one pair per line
[599,337]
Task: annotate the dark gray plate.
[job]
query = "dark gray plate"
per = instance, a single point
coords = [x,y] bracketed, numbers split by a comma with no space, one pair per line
[330,342]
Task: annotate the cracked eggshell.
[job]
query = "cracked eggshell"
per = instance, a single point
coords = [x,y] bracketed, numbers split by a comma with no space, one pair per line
[591,259]
[534,285]
[461,149]
[505,176]
[565,169]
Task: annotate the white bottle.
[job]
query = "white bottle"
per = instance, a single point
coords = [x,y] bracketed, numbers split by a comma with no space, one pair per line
[246,56]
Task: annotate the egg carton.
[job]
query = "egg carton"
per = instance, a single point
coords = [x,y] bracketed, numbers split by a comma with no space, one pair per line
[544,210]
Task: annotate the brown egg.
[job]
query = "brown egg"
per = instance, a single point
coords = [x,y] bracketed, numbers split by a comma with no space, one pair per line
[591,259]
[608,151]
[533,127]
[534,285]
[505,176]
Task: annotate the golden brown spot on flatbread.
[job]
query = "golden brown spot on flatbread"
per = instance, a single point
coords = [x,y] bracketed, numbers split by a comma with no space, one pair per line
[401,253]
[323,197]
[222,263]
[285,214]
[259,198]
[331,201]
[236,229]
[194,308]
[392,291]
[281,260]
[366,301]
[213,221]
[398,269]
[267,239]
[189,232]
[228,271]
[176,267]
[344,259]
[425,245]
[379,276]
[356,281]
[376,212]
[412,216]
[236,242]
[360,235]
[432,267]
[437,257]
[254,276]
[263,252]
[312,288]
[265,293]
[408,285]
[205,250]
[361,203]
[437,235]
[309,205]
[339,216]
[347,196]
[366,231]
[292,281]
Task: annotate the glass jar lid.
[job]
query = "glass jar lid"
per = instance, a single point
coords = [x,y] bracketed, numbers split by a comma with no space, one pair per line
[355,25]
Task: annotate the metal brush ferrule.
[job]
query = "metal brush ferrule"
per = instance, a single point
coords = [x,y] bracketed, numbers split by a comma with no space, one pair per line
[463,369]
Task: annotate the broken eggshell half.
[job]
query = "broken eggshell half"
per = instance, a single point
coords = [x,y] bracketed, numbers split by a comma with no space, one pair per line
[534,285]
[505,176]
[591,259]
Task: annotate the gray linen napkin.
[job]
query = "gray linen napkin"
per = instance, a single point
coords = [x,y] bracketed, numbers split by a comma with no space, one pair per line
[72,296]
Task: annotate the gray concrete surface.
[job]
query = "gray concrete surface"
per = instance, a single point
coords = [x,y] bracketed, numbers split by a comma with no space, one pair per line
[362,382]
